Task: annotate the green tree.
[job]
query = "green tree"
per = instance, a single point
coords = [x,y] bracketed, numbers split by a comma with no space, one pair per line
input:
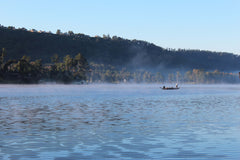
[58,32]
[70,33]
[38,64]
[79,59]
[2,58]
[26,58]
[55,58]
[68,62]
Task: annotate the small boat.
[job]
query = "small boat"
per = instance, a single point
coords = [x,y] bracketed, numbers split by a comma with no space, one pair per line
[170,88]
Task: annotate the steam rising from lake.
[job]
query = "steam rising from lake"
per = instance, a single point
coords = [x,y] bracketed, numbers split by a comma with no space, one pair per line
[119,122]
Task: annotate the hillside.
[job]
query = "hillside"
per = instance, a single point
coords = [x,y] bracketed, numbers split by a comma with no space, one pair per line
[116,51]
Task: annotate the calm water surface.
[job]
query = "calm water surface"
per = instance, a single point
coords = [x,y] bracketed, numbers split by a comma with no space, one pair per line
[67,122]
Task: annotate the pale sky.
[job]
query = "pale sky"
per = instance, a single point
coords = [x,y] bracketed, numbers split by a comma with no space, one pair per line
[191,24]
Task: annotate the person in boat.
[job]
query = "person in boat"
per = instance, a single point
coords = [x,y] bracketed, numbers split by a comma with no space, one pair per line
[176,85]
[163,87]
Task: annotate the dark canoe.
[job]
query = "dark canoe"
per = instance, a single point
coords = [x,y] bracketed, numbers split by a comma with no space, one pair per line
[170,88]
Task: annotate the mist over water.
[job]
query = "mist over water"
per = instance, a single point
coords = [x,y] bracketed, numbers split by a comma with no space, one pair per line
[119,122]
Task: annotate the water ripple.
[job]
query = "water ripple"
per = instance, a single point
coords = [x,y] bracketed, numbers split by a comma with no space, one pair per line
[102,122]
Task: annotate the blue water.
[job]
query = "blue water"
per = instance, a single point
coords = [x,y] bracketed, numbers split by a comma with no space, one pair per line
[68,122]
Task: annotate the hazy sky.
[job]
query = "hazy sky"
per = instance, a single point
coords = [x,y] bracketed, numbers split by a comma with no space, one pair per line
[191,24]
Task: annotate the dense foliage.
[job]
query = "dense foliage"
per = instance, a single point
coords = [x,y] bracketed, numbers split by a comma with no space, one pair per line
[26,71]
[118,52]
[106,73]
[112,59]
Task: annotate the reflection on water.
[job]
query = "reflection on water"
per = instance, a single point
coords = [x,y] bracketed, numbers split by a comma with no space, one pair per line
[119,121]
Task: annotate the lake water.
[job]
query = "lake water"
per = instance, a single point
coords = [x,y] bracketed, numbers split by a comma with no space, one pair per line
[68,122]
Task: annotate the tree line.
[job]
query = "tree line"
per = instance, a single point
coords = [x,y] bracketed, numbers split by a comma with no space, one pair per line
[112,59]
[112,50]
[101,73]
[69,69]
[24,70]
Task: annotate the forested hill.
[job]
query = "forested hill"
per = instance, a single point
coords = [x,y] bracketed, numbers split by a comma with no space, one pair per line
[116,51]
